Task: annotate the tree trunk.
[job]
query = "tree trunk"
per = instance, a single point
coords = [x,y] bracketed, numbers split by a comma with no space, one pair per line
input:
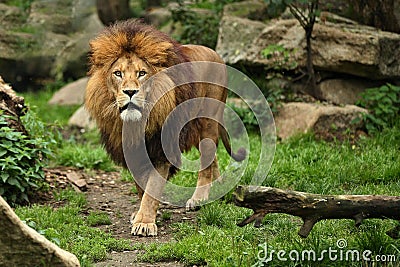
[313,207]
[312,81]
[384,14]
[12,105]
[110,11]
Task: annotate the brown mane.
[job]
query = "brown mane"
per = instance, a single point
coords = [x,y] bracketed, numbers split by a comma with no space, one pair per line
[160,52]
[132,36]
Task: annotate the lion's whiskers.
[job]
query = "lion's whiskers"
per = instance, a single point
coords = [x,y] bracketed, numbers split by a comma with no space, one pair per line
[110,108]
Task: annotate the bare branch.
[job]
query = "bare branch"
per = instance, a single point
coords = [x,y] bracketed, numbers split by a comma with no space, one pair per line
[313,208]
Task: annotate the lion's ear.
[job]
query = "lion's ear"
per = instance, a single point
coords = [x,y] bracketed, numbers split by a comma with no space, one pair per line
[106,48]
[154,50]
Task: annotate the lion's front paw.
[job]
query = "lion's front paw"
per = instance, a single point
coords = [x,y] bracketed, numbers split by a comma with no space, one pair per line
[193,204]
[144,229]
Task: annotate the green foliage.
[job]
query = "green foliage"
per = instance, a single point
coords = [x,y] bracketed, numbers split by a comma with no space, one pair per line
[383,104]
[37,102]
[83,156]
[22,4]
[196,28]
[199,27]
[246,116]
[68,228]
[22,157]
[281,58]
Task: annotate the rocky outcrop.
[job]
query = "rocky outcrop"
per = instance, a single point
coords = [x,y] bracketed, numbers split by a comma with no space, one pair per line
[70,94]
[295,118]
[341,48]
[82,119]
[344,91]
[20,245]
[235,38]
[49,40]
[254,10]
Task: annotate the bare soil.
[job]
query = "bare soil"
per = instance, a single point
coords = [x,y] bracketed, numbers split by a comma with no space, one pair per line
[106,192]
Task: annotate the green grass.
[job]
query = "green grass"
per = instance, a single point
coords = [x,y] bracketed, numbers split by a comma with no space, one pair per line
[96,218]
[83,156]
[81,150]
[37,101]
[68,228]
[370,166]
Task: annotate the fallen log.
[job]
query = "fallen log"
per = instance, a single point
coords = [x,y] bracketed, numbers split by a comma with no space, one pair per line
[312,208]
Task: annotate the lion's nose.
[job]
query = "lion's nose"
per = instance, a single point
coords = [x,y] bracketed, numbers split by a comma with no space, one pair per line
[130,93]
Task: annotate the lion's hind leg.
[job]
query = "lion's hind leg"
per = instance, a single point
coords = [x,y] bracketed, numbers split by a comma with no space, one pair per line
[208,161]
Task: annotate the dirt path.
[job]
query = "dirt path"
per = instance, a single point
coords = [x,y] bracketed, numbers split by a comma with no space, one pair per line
[106,192]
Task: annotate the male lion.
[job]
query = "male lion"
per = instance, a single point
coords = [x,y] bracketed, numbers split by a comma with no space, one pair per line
[121,93]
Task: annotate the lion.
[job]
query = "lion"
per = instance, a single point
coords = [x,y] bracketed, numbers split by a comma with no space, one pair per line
[125,60]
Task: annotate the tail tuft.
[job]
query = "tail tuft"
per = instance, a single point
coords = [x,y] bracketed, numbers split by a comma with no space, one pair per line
[240,155]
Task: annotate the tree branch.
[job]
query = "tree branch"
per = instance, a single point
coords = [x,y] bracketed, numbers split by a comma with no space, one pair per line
[313,208]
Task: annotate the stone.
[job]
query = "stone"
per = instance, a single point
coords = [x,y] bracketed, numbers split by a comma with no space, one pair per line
[341,48]
[384,15]
[70,94]
[82,119]
[20,245]
[254,10]
[344,91]
[235,38]
[296,117]
[158,16]
[10,15]
[48,41]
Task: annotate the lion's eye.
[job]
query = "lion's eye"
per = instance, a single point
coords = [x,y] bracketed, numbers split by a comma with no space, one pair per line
[141,73]
[118,73]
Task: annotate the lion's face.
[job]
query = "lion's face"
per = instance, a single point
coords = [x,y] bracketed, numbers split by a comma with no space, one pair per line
[128,75]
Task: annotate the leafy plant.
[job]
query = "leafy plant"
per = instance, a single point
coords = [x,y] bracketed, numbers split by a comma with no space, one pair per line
[22,4]
[197,28]
[281,57]
[383,104]
[23,157]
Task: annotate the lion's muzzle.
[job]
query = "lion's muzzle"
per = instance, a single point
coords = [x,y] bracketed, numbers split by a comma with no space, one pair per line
[129,107]
[131,112]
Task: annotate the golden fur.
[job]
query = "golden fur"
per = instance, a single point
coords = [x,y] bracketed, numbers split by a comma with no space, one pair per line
[122,59]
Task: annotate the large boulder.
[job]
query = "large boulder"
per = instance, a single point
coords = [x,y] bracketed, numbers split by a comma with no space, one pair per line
[48,40]
[344,90]
[236,37]
[82,119]
[20,245]
[253,9]
[342,48]
[70,94]
[296,117]
[384,14]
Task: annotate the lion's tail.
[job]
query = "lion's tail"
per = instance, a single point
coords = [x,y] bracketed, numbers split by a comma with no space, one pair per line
[240,154]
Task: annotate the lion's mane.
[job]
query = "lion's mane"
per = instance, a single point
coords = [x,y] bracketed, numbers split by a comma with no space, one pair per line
[160,52]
